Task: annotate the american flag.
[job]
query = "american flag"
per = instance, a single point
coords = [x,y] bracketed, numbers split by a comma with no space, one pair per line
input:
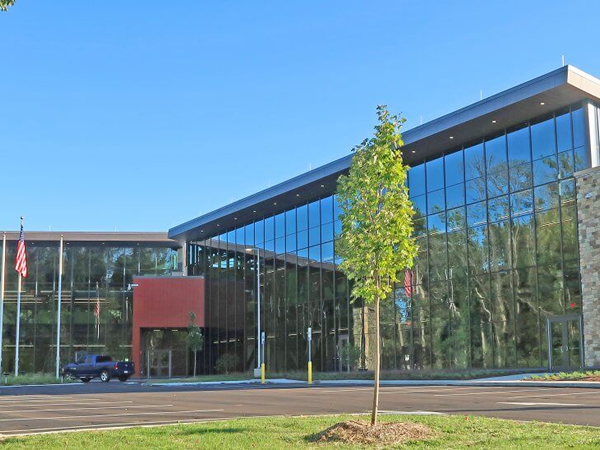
[97,307]
[408,283]
[21,258]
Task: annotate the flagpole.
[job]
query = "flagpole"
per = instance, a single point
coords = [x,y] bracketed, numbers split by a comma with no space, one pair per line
[2,294]
[59,305]
[17,337]
[97,311]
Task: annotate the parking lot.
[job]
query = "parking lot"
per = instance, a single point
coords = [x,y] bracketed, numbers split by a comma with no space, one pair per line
[98,405]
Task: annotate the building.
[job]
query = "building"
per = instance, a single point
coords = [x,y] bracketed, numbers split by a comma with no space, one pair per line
[98,269]
[506,193]
[508,216]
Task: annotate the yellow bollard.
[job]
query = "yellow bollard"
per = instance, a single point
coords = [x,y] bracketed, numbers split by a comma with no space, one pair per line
[310,372]
[262,373]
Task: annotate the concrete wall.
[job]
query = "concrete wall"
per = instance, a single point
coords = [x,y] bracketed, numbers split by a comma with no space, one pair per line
[588,218]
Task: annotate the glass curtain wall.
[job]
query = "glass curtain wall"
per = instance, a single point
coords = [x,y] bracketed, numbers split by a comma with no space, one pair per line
[300,288]
[91,274]
[496,225]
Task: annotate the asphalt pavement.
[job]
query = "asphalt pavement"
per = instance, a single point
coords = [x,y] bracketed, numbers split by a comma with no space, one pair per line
[106,405]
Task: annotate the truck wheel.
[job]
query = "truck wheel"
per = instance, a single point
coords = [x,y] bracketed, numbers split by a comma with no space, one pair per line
[123,379]
[86,380]
[104,376]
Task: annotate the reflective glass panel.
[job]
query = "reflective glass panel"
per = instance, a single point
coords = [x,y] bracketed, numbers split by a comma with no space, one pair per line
[543,139]
[416,178]
[563,132]
[435,201]
[495,154]
[455,195]
[579,128]
[474,163]
[455,170]
[518,146]
[545,170]
[302,217]
[435,174]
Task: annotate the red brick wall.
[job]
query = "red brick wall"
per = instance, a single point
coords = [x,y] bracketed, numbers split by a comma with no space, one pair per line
[164,302]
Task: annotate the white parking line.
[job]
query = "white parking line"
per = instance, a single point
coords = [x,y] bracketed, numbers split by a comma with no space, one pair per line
[426,390]
[81,409]
[539,404]
[489,392]
[403,389]
[74,418]
[13,396]
[344,390]
[556,395]
[39,400]
[32,407]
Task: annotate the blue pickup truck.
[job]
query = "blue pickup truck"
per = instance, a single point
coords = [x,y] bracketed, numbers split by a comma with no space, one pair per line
[98,366]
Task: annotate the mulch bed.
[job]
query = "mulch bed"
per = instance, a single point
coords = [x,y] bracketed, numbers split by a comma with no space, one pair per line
[557,378]
[357,432]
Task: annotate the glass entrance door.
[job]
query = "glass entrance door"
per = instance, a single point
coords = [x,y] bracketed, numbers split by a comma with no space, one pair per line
[564,343]
[159,363]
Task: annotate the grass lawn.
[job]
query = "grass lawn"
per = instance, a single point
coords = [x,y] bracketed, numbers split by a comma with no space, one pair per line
[590,375]
[450,432]
[32,378]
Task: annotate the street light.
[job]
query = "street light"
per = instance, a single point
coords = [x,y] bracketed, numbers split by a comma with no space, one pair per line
[257,370]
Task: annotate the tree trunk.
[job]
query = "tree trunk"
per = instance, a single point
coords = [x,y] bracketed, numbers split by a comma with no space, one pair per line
[195,361]
[377,365]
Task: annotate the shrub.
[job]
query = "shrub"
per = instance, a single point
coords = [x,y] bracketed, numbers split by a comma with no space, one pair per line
[226,363]
[350,355]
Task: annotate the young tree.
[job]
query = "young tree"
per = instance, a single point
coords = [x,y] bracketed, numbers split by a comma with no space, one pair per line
[194,338]
[376,242]
[4,4]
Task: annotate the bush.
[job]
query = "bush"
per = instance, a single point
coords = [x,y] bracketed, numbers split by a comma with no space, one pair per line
[350,355]
[227,362]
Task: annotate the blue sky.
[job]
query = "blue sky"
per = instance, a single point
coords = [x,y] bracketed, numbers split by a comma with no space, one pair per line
[139,115]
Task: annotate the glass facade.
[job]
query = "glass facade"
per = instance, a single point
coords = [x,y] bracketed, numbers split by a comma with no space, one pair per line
[496,224]
[92,272]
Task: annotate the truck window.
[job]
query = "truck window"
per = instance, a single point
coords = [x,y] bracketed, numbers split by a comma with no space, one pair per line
[103,359]
[89,359]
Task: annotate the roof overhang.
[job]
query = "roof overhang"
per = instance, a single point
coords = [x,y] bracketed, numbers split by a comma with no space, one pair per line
[544,94]
[93,238]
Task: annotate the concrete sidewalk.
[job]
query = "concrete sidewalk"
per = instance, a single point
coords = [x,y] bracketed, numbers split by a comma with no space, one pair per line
[519,380]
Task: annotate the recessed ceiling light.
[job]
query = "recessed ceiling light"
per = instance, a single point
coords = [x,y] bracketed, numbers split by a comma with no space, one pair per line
[218,225]
[493,121]
[254,211]
[322,185]
[451,137]
[275,203]
[235,218]
[297,195]
[542,103]
[201,231]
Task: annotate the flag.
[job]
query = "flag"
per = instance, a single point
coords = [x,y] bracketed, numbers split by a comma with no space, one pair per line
[408,283]
[97,310]
[21,258]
